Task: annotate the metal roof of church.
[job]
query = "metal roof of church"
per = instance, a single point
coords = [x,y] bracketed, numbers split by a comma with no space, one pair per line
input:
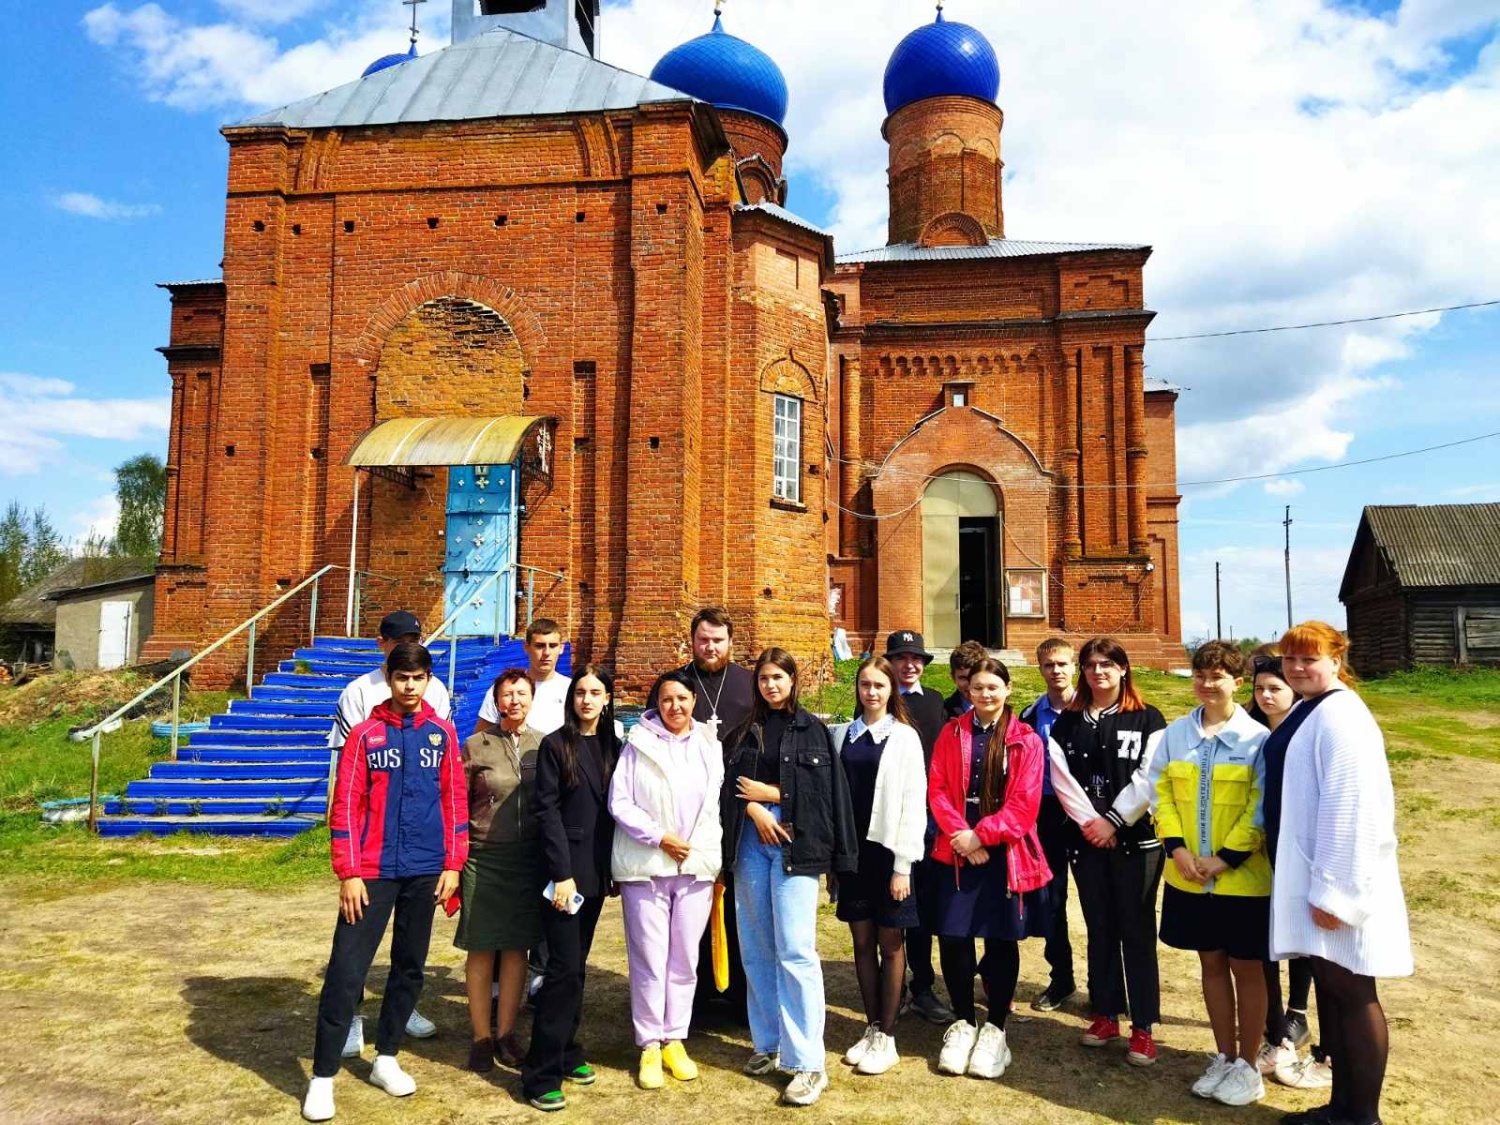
[784,215]
[997,248]
[498,74]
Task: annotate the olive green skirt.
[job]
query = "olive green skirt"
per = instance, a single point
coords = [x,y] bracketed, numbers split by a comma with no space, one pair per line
[502,898]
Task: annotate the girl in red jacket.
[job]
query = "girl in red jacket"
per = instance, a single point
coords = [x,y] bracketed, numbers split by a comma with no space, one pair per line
[989,875]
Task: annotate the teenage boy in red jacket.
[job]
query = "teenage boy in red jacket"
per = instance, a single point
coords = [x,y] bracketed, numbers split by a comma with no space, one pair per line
[400,826]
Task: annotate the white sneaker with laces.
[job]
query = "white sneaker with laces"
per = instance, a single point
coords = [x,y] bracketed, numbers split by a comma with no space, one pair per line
[857,1052]
[881,1056]
[1273,1057]
[419,1026]
[1305,1073]
[1218,1069]
[958,1045]
[317,1105]
[991,1053]
[354,1043]
[806,1087]
[1241,1086]
[388,1076]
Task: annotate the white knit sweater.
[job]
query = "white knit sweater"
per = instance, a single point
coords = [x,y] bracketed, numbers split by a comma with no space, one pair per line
[1337,846]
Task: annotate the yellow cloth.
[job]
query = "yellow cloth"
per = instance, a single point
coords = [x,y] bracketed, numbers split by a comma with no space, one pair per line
[719,939]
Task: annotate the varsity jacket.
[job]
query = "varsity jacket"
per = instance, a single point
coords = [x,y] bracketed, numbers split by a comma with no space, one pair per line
[1208,800]
[1101,767]
[400,800]
[1011,826]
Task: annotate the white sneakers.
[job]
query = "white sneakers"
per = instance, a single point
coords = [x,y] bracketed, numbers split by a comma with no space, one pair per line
[857,1052]
[991,1053]
[318,1104]
[419,1026]
[1305,1073]
[958,1045]
[354,1044]
[1274,1057]
[881,1055]
[1241,1086]
[806,1087]
[387,1075]
[1218,1069]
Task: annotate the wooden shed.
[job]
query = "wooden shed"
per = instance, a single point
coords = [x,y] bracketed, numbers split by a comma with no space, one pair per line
[1423,586]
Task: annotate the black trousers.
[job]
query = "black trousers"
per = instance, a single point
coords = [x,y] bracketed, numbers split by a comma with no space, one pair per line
[706,996]
[919,939]
[1000,968]
[1052,825]
[354,948]
[1117,890]
[1299,969]
[555,1049]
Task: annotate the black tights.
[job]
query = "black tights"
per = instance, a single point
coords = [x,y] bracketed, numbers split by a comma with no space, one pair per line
[880,965]
[1299,986]
[1002,969]
[1352,1026]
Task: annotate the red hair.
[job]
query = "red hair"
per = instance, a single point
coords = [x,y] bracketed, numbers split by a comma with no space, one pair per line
[1318,638]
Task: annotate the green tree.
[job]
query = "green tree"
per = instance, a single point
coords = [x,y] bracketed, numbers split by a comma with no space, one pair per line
[141,487]
[45,549]
[13,540]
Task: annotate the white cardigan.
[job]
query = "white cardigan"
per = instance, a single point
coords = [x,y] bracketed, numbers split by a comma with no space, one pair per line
[898,820]
[1337,846]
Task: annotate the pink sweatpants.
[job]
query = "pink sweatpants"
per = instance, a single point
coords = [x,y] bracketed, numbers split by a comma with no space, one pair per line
[664,922]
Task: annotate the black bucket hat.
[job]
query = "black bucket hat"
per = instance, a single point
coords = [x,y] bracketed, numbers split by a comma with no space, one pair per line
[904,641]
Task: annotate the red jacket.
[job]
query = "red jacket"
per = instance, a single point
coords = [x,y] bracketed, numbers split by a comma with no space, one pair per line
[1013,823]
[400,801]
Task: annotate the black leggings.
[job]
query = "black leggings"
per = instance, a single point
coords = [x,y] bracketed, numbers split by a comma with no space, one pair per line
[1299,986]
[1002,969]
[1352,1025]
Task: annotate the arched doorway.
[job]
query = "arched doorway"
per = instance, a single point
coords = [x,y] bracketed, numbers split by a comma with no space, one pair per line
[961,561]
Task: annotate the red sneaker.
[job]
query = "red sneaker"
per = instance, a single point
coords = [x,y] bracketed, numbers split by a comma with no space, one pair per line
[1142,1048]
[1101,1032]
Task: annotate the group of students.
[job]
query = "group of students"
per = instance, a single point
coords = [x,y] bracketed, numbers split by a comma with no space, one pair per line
[956,819]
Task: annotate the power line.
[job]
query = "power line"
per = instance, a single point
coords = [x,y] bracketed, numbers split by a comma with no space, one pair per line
[1321,323]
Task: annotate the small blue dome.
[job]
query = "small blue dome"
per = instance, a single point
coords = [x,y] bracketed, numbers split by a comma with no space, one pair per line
[941,59]
[727,72]
[385,62]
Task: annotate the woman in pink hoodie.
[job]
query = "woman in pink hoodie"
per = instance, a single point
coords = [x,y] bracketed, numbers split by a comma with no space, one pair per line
[989,875]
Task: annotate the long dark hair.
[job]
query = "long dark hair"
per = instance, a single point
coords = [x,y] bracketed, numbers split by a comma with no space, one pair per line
[992,785]
[1106,648]
[761,710]
[571,734]
[896,706]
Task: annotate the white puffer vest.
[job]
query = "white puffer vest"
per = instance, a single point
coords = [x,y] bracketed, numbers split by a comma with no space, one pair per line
[653,793]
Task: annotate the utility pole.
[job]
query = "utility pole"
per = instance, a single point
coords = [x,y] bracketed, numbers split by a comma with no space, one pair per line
[1287,523]
[1218,607]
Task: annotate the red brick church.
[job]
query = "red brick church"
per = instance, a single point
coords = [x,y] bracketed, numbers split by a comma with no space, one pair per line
[506,309]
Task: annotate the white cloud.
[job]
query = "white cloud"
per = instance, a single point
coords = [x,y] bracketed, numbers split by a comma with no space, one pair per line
[98,518]
[270,11]
[1284,487]
[93,207]
[1253,587]
[40,412]
[1475,493]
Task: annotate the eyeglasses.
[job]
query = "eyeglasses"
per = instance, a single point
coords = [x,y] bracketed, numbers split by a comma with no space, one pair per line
[1100,666]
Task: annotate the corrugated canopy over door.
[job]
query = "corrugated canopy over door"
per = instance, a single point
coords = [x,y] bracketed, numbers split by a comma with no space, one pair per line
[416,442]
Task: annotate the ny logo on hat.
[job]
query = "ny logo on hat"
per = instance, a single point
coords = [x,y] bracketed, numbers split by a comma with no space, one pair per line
[905,638]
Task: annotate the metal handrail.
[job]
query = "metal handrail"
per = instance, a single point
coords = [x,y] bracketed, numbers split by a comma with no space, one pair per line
[492,579]
[96,732]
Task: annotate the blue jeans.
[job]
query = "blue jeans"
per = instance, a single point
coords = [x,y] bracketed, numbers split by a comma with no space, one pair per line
[778,927]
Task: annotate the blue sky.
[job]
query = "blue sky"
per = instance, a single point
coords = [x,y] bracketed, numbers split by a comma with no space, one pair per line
[1289,160]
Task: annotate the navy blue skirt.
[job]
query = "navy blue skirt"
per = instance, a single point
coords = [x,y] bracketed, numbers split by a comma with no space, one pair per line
[979,904]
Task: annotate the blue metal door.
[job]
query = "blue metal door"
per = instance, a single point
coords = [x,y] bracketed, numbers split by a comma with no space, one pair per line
[482,530]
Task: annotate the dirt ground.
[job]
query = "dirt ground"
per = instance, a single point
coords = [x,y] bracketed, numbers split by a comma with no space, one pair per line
[166,1004]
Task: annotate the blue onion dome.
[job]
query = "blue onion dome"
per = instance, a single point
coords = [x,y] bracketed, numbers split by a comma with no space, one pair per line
[938,60]
[726,72]
[385,62]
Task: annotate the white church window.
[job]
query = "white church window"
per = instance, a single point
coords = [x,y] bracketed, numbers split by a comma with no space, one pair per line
[787,457]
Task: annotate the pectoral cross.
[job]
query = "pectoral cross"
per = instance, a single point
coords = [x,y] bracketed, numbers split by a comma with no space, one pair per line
[713,726]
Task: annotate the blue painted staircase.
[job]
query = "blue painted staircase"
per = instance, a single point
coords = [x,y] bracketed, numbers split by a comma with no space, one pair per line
[261,769]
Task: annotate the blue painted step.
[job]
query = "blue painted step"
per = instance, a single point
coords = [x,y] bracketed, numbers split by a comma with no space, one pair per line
[217,826]
[233,806]
[230,771]
[249,738]
[239,721]
[197,790]
[295,708]
[254,757]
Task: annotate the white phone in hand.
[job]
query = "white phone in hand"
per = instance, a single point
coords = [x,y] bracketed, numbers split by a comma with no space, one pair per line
[549,892]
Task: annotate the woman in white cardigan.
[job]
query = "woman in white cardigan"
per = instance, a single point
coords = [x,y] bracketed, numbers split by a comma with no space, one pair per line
[881,755]
[1336,897]
[664,798]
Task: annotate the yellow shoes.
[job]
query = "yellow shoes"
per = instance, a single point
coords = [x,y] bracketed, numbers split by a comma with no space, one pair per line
[675,1057]
[649,1076]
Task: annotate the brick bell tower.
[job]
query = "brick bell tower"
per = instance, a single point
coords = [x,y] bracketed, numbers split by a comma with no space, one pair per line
[945,165]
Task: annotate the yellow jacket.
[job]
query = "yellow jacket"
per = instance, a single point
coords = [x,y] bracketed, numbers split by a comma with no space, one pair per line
[1208,799]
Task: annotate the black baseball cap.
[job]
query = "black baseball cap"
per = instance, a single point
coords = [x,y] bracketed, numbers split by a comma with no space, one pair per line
[399,624]
[905,641]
